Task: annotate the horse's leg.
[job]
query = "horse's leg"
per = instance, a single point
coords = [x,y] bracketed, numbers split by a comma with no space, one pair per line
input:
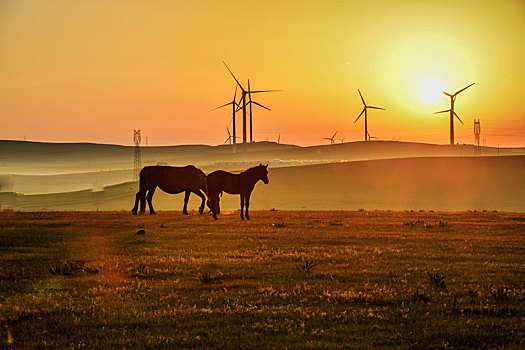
[242,207]
[214,204]
[199,193]
[137,200]
[247,203]
[142,200]
[186,198]
[149,197]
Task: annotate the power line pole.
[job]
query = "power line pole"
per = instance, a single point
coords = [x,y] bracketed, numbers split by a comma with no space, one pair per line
[477,136]
[136,140]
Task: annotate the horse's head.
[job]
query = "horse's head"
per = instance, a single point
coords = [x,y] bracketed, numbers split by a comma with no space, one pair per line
[263,173]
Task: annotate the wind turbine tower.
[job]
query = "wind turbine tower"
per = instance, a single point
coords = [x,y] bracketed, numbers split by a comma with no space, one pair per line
[235,105]
[365,112]
[451,111]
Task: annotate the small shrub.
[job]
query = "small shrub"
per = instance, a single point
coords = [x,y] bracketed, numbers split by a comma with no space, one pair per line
[437,280]
[141,270]
[141,225]
[335,223]
[422,297]
[307,266]
[207,277]
[279,225]
[362,209]
[273,209]
[140,232]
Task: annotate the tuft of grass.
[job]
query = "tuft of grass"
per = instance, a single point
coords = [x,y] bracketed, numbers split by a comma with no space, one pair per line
[499,294]
[335,223]
[437,280]
[141,225]
[307,267]
[70,268]
[279,225]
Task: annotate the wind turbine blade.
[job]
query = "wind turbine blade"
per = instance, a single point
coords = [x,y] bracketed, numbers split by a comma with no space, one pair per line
[335,134]
[465,88]
[249,91]
[376,108]
[260,105]
[446,93]
[235,94]
[224,105]
[362,99]
[448,110]
[363,111]
[326,138]
[459,118]
[227,129]
[258,91]
[233,75]
[228,139]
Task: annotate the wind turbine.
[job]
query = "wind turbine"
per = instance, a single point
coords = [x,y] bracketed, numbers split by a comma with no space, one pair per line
[332,141]
[370,137]
[342,140]
[365,112]
[230,137]
[251,102]
[279,138]
[243,104]
[451,111]
[235,105]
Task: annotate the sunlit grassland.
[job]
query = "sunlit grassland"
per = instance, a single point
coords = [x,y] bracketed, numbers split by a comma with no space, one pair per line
[296,279]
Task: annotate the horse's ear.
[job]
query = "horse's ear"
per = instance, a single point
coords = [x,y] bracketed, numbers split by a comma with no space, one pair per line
[267,165]
[260,164]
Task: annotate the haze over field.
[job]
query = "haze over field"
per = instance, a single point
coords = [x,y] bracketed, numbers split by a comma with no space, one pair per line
[369,175]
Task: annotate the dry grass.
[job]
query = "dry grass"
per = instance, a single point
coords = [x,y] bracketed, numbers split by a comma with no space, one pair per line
[372,280]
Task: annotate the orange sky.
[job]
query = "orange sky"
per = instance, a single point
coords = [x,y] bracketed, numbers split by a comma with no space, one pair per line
[95,70]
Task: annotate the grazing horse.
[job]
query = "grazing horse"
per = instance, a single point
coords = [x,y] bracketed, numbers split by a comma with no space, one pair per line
[188,179]
[242,184]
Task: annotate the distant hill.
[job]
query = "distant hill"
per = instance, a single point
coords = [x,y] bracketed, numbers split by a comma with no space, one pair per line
[437,183]
[20,157]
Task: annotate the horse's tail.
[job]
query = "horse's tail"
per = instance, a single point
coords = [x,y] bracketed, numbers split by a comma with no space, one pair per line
[203,179]
[142,190]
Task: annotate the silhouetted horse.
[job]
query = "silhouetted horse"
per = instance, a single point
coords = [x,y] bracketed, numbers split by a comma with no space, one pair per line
[171,180]
[242,184]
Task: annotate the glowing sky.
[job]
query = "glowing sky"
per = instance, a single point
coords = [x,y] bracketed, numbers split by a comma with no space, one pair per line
[95,70]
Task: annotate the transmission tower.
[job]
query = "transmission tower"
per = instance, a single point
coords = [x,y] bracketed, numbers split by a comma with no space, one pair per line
[477,136]
[138,166]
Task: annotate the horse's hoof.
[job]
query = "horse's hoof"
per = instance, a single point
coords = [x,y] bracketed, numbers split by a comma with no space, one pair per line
[153,213]
[134,212]
[201,211]
[185,213]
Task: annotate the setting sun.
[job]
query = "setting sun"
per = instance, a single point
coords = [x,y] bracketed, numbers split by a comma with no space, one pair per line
[430,90]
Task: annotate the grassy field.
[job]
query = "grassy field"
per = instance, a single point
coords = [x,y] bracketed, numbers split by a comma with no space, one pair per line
[352,279]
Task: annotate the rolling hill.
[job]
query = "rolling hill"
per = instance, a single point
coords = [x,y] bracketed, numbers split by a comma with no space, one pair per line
[428,183]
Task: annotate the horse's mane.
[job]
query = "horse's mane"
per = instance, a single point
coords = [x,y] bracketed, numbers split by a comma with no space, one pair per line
[249,170]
